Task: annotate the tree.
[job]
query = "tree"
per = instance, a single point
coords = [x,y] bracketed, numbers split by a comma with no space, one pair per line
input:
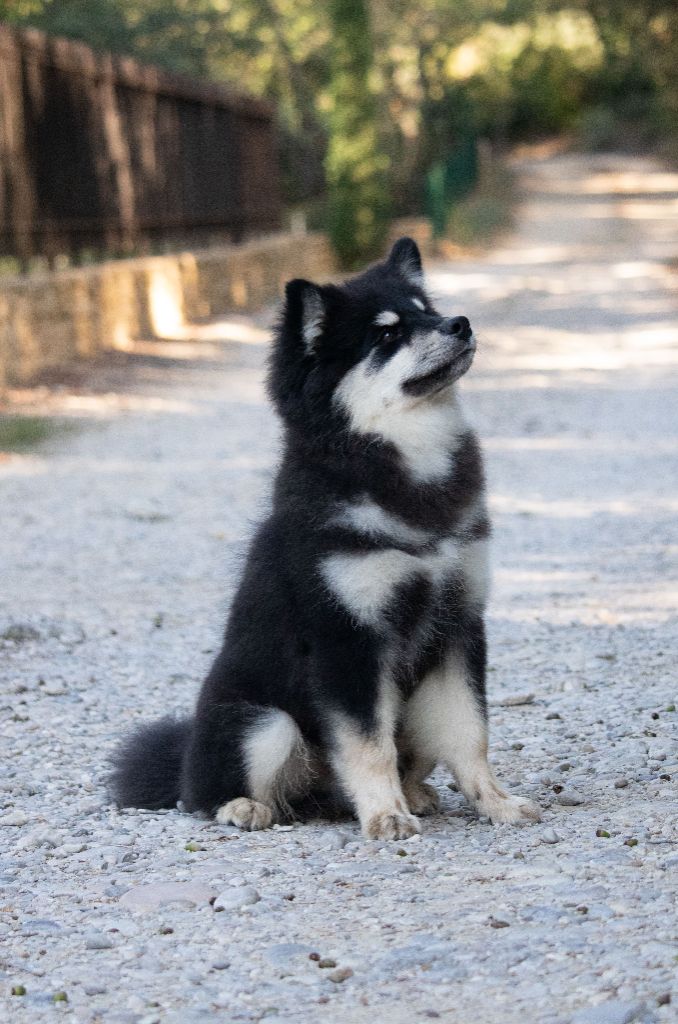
[356,167]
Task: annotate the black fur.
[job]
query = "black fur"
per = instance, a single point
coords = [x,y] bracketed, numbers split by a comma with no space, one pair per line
[289,643]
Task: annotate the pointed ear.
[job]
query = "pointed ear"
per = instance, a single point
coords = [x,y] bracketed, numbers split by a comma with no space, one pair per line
[305,311]
[406,259]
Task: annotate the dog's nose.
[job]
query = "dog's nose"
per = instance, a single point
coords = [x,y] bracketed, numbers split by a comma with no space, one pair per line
[458,327]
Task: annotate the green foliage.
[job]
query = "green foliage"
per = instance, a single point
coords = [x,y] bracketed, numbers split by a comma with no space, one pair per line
[475,220]
[19,432]
[373,94]
[449,180]
[357,182]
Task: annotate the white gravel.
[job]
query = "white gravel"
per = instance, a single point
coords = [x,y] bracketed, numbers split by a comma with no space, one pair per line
[120,547]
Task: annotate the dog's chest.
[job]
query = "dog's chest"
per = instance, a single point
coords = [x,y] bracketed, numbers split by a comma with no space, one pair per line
[402,584]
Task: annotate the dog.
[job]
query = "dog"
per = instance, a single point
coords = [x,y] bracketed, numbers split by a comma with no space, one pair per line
[354,655]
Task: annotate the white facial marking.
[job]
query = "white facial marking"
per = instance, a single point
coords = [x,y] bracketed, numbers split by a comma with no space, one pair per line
[418,303]
[386,318]
[369,518]
[423,431]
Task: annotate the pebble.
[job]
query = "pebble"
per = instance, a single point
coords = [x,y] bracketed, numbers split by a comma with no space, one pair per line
[68,849]
[15,817]
[54,688]
[621,783]
[611,1012]
[143,898]
[570,798]
[341,974]
[96,940]
[516,700]
[336,841]
[550,836]
[234,898]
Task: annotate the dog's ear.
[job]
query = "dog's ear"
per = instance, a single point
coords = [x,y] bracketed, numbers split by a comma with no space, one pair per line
[304,315]
[406,259]
[294,353]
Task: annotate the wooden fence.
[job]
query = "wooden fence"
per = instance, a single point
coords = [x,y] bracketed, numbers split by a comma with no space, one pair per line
[100,153]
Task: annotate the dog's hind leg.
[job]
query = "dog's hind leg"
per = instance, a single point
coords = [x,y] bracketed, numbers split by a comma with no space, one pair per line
[247,765]
[277,769]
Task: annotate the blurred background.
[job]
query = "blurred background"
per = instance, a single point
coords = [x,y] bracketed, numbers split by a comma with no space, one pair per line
[371,110]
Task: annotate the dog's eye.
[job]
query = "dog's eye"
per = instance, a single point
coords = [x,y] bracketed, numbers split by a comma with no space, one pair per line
[388,334]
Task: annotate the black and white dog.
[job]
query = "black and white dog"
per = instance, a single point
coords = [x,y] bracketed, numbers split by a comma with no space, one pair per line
[354,655]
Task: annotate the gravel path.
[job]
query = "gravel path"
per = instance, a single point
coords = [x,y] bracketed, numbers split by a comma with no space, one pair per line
[121,544]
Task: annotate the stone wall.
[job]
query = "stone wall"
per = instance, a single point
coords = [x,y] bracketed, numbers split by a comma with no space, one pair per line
[50,319]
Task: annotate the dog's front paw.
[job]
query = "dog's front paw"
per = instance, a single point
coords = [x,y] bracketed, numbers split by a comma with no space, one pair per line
[247,814]
[421,797]
[512,810]
[391,826]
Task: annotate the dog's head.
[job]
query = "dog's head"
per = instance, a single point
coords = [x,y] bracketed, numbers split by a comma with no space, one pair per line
[368,351]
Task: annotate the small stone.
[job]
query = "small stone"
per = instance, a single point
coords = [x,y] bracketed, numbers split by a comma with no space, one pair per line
[337,841]
[570,798]
[341,974]
[327,962]
[621,783]
[516,700]
[602,833]
[94,990]
[630,842]
[221,965]
[498,922]
[60,997]
[68,849]
[611,1012]
[95,940]
[15,817]
[18,990]
[550,836]
[54,688]
[158,894]
[234,898]
[664,999]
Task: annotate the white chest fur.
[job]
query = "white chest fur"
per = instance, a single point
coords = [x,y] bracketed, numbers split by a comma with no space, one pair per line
[366,583]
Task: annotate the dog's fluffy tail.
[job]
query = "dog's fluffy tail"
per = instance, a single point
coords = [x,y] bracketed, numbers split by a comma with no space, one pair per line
[147,765]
